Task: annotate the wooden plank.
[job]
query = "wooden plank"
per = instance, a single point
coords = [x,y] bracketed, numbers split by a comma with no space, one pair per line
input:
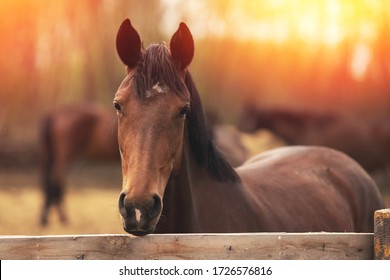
[314,246]
[382,234]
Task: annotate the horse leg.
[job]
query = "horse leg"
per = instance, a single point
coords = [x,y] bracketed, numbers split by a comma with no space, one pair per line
[48,161]
[60,204]
[48,186]
[54,188]
[58,189]
[53,198]
[45,212]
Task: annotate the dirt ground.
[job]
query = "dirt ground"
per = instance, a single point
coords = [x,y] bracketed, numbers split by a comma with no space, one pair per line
[91,202]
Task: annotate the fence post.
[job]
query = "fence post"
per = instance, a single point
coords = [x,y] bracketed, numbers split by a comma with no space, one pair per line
[382,234]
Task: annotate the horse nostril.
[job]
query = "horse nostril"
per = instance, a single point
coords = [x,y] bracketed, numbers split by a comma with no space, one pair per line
[121,204]
[129,209]
[156,206]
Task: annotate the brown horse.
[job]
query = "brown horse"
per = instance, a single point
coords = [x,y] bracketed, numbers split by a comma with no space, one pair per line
[176,181]
[368,142]
[69,133]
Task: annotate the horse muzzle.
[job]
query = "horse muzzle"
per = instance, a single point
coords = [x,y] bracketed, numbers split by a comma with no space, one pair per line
[140,218]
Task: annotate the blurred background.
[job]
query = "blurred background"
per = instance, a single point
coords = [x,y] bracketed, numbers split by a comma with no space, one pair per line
[330,57]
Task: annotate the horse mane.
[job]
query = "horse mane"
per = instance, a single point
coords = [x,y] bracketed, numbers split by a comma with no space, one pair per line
[157,66]
[200,139]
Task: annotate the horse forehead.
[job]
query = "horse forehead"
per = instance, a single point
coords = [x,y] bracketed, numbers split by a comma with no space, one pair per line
[156,89]
[126,81]
[125,85]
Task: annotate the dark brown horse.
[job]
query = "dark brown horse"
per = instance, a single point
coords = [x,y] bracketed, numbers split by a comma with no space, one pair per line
[368,142]
[69,133]
[176,181]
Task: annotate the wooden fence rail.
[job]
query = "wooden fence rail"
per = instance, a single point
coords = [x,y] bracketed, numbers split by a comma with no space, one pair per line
[191,246]
[313,246]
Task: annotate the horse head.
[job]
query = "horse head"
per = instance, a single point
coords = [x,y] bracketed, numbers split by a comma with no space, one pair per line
[152,104]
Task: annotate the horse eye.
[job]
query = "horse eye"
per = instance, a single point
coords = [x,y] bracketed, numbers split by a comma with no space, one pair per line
[185,110]
[117,106]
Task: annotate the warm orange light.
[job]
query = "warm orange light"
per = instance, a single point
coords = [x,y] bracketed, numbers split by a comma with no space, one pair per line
[322,21]
[319,23]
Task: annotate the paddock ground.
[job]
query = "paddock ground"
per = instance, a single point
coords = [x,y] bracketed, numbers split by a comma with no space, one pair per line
[91,201]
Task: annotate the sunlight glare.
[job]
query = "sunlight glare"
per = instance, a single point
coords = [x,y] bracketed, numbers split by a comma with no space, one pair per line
[360,61]
[326,22]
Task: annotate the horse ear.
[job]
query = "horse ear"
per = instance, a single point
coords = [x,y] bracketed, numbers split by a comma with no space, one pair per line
[182,46]
[128,44]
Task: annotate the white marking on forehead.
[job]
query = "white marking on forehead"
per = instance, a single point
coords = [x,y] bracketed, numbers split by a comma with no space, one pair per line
[137,215]
[157,88]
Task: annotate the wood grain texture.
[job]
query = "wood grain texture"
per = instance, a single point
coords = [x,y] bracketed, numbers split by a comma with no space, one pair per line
[382,234]
[267,246]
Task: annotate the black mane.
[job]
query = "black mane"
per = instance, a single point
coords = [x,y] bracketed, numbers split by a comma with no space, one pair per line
[157,66]
[200,139]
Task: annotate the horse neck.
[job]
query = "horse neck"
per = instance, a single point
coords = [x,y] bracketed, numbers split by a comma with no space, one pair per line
[178,205]
[194,201]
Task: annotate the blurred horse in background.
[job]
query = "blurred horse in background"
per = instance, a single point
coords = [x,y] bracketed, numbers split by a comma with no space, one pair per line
[238,146]
[70,133]
[368,142]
